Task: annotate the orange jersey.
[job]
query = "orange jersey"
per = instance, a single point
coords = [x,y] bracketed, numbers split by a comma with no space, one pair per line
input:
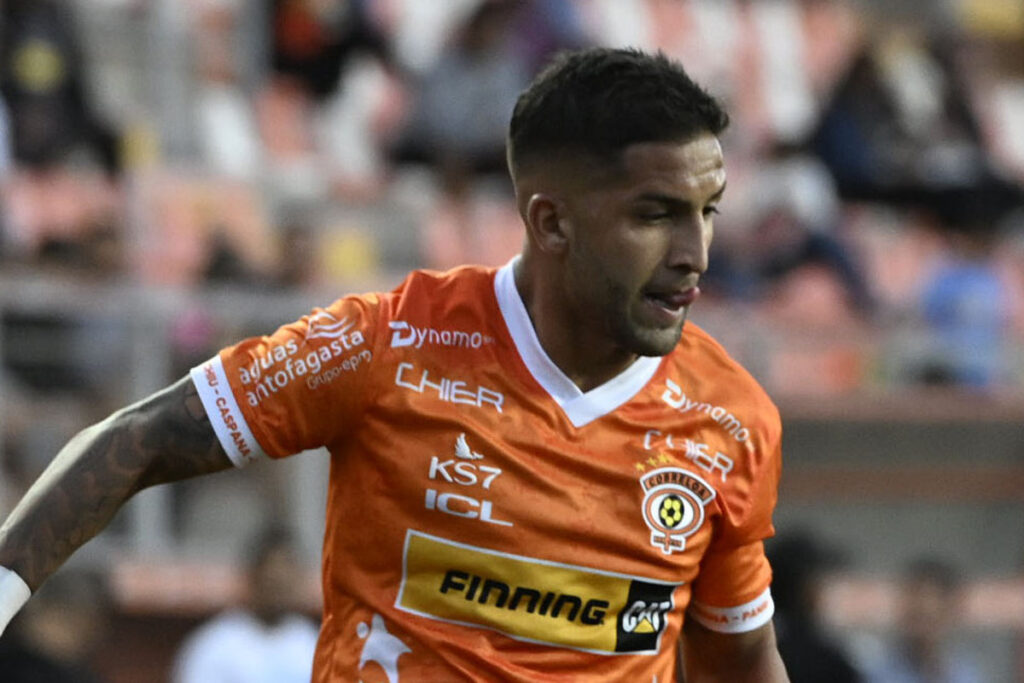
[486,519]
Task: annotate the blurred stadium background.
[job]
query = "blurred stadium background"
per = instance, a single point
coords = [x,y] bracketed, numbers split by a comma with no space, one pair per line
[178,174]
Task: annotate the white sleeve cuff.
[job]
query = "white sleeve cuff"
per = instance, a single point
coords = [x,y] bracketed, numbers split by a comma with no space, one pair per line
[226,417]
[740,619]
[14,593]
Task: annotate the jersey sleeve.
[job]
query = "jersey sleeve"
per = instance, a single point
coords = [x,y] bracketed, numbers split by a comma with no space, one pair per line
[298,388]
[731,593]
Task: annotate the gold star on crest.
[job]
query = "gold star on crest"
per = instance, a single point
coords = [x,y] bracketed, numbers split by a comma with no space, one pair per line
[662,458]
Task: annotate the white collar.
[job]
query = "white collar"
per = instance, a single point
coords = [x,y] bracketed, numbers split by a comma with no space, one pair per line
[581,408]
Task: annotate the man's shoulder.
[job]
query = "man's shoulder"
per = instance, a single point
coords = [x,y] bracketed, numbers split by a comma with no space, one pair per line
[421,296]
[703,354]
[461,280]
[427,294]
[700,374]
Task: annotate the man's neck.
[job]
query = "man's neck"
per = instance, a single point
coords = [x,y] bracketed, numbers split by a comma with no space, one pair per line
[586,364]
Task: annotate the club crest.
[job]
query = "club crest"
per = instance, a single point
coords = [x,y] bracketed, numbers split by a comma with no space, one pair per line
[673,506]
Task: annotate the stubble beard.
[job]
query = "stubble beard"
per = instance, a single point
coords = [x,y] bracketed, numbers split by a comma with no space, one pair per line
[649,341]
[632,335]
[617,306]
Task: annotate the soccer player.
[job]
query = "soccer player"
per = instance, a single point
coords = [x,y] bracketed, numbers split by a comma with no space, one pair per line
[536,472]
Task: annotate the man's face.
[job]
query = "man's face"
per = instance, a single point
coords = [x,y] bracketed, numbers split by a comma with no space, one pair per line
[639,243]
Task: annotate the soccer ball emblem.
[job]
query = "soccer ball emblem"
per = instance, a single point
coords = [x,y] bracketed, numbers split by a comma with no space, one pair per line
[671,511]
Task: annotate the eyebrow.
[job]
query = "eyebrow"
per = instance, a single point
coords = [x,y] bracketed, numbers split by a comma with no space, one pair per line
[676,201]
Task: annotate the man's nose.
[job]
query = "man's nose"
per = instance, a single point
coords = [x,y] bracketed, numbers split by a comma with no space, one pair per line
[691,239]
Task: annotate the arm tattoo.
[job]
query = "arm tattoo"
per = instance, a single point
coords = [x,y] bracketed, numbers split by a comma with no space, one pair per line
[164,438]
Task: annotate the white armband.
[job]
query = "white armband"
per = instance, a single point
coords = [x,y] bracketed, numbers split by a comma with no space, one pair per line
[14,593]
[740,619]
[226,417]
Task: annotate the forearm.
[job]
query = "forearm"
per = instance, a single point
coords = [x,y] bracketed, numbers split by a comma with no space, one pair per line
[710,657]
[164,438]
[71,502]
[766,667]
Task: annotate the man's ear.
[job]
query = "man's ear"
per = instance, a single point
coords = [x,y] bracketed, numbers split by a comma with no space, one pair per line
[546,224]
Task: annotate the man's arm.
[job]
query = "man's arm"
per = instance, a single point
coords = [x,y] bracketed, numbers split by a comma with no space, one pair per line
[711,657]
[164,438]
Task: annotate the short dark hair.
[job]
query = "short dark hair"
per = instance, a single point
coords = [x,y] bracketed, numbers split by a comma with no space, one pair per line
[600,100]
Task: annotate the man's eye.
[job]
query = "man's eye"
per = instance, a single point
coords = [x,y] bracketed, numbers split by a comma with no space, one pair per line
[654,216]
[710,210]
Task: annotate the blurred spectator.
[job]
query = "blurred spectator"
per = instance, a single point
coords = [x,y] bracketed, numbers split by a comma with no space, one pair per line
[228,135]
[794,220]
[965,304]
[192,215]
[298,265]
[60,195]
[457,126]
[544,27]
[53,639]
[43,84]
[798,563]
[922,651]
[899,125]
[311,42]
[460,111]
[318,133]
[225,264]
[772,62]
[459,114]
[265,640]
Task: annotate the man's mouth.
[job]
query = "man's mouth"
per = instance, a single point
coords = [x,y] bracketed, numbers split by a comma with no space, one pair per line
[674,300]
